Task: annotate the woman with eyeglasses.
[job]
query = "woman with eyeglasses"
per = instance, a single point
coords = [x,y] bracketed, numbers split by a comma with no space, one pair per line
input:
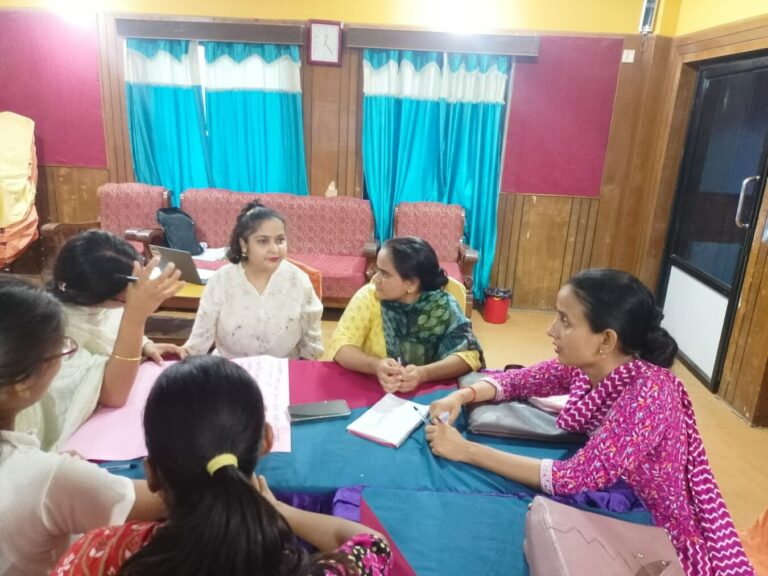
[46,498]
[108,296]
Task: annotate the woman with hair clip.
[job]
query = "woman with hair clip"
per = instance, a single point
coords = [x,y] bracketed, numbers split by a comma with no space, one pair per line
[45,497]
[260,303]
[222,518]
[108,296]
[612,360]
[403,326]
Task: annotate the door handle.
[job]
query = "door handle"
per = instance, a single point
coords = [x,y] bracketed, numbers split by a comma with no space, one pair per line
[744,185]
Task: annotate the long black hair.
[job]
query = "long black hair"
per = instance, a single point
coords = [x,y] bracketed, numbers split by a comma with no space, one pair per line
[248,221]
[415,259]
[219,523]
[616,300]
[31,330]
[91,268]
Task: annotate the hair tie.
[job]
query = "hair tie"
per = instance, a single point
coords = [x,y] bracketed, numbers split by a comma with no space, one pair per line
[220,461]
[63,286]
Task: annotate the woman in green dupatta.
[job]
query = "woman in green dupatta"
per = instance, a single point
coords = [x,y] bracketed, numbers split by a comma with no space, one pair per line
[404,327]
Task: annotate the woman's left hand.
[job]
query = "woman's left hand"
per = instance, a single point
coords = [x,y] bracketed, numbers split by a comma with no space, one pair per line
[155,351]
[412,376]
[446,442]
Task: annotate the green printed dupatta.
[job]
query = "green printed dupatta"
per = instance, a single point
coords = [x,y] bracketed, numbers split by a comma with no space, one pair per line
[427,330]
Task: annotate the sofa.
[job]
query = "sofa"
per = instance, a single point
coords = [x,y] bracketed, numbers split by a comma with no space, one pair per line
[332,235]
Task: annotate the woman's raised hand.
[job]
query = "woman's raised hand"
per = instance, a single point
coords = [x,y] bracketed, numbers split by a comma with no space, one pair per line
[145,295]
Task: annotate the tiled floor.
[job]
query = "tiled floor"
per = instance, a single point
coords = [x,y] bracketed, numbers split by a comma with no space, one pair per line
[738,452]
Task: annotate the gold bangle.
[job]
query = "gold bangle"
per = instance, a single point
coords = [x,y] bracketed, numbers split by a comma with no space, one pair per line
[136,359]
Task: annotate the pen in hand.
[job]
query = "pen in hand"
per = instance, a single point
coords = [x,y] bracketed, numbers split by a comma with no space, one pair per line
[423,418]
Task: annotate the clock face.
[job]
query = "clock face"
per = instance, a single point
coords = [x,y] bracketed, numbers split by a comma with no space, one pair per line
[324,43]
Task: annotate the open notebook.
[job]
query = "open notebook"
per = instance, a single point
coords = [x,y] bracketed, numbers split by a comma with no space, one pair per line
[390,421]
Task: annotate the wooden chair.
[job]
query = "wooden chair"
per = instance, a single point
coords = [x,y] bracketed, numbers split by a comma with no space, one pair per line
[442,225]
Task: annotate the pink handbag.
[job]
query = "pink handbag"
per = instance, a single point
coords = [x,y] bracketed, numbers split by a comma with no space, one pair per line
[562,540]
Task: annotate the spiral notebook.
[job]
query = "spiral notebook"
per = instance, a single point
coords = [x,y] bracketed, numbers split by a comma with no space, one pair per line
[390,421]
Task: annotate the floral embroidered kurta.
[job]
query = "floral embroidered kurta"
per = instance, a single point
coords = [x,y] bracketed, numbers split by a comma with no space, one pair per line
[283,321]
[642,430]
[103,551]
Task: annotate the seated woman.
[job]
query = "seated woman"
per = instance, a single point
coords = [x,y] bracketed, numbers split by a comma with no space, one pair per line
[404,327]
[106,311]
[612,359]
[47,497]
[222,519]
[260,303]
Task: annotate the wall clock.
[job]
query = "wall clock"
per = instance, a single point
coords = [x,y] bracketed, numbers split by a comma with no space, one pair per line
[325,42]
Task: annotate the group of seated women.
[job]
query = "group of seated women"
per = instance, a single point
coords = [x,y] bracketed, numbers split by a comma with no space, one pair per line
[201,510]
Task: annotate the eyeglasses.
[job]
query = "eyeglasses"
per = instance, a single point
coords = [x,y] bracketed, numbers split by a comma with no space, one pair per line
[68,349]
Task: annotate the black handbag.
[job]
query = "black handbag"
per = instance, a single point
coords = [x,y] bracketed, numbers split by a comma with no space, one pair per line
[179,230]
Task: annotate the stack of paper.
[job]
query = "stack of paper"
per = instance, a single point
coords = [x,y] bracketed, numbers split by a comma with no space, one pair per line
[390,421]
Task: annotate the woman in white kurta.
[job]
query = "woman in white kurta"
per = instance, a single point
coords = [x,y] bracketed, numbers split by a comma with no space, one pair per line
[107,297]
[260,303]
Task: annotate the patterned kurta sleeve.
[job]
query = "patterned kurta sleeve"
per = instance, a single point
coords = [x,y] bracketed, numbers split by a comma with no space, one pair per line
[354,326]
[370,554]
[631,429]
[311,344]
[204,329]
[548,378]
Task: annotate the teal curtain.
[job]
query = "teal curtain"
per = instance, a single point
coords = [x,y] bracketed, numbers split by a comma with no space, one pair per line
[432,131]
[254,117]
[165,115]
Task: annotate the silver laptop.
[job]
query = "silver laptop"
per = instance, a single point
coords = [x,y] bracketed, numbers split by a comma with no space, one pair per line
[183,262]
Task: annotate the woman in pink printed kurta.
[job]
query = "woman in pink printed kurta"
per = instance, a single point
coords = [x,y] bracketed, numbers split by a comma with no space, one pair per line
[612,359]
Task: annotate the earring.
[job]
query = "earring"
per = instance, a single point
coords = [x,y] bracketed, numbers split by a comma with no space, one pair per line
[244,253]
[408,291]
[602,353]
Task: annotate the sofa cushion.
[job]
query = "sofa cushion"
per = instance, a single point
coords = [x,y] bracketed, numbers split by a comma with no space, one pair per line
[342,275]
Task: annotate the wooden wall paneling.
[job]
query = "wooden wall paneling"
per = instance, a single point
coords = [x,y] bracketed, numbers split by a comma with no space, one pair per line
[509,218]
[541,252]
[571,245]
[618,158]
[306,108]
[681,87]
[123,140]
[354,167]
[326,89]
[74,191]
[589,234]
[105,21]
[344,81]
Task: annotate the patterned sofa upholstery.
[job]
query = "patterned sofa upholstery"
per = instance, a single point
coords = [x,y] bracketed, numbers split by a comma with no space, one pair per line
[331,235]
[442,225]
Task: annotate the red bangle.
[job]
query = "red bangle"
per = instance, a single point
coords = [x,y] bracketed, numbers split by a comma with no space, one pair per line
[474,394]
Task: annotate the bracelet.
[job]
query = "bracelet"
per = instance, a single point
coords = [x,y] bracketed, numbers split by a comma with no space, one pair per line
[135,359]
[474,394]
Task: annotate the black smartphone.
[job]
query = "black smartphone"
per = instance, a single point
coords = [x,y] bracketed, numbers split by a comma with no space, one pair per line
[318,410]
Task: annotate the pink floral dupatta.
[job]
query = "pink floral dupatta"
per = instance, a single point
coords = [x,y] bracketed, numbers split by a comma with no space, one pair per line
[722,554]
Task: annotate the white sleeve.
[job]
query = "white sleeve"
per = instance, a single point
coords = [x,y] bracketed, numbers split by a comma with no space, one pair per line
[81,497]
[204,329]
[311,344]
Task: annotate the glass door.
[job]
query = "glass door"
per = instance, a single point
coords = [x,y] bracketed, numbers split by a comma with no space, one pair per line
[719,190]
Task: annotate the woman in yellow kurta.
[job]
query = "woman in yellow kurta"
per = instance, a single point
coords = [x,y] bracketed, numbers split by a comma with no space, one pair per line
[404,327]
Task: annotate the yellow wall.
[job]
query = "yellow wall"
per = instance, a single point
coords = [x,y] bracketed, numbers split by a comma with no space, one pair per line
[600,16]
[700,14]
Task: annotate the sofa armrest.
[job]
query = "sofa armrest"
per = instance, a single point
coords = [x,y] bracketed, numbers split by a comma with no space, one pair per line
[370,250]
[145,236]
[66,229]
[467,260]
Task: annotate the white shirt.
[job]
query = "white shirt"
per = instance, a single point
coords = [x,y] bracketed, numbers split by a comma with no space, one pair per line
[283,321]
[46,499]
